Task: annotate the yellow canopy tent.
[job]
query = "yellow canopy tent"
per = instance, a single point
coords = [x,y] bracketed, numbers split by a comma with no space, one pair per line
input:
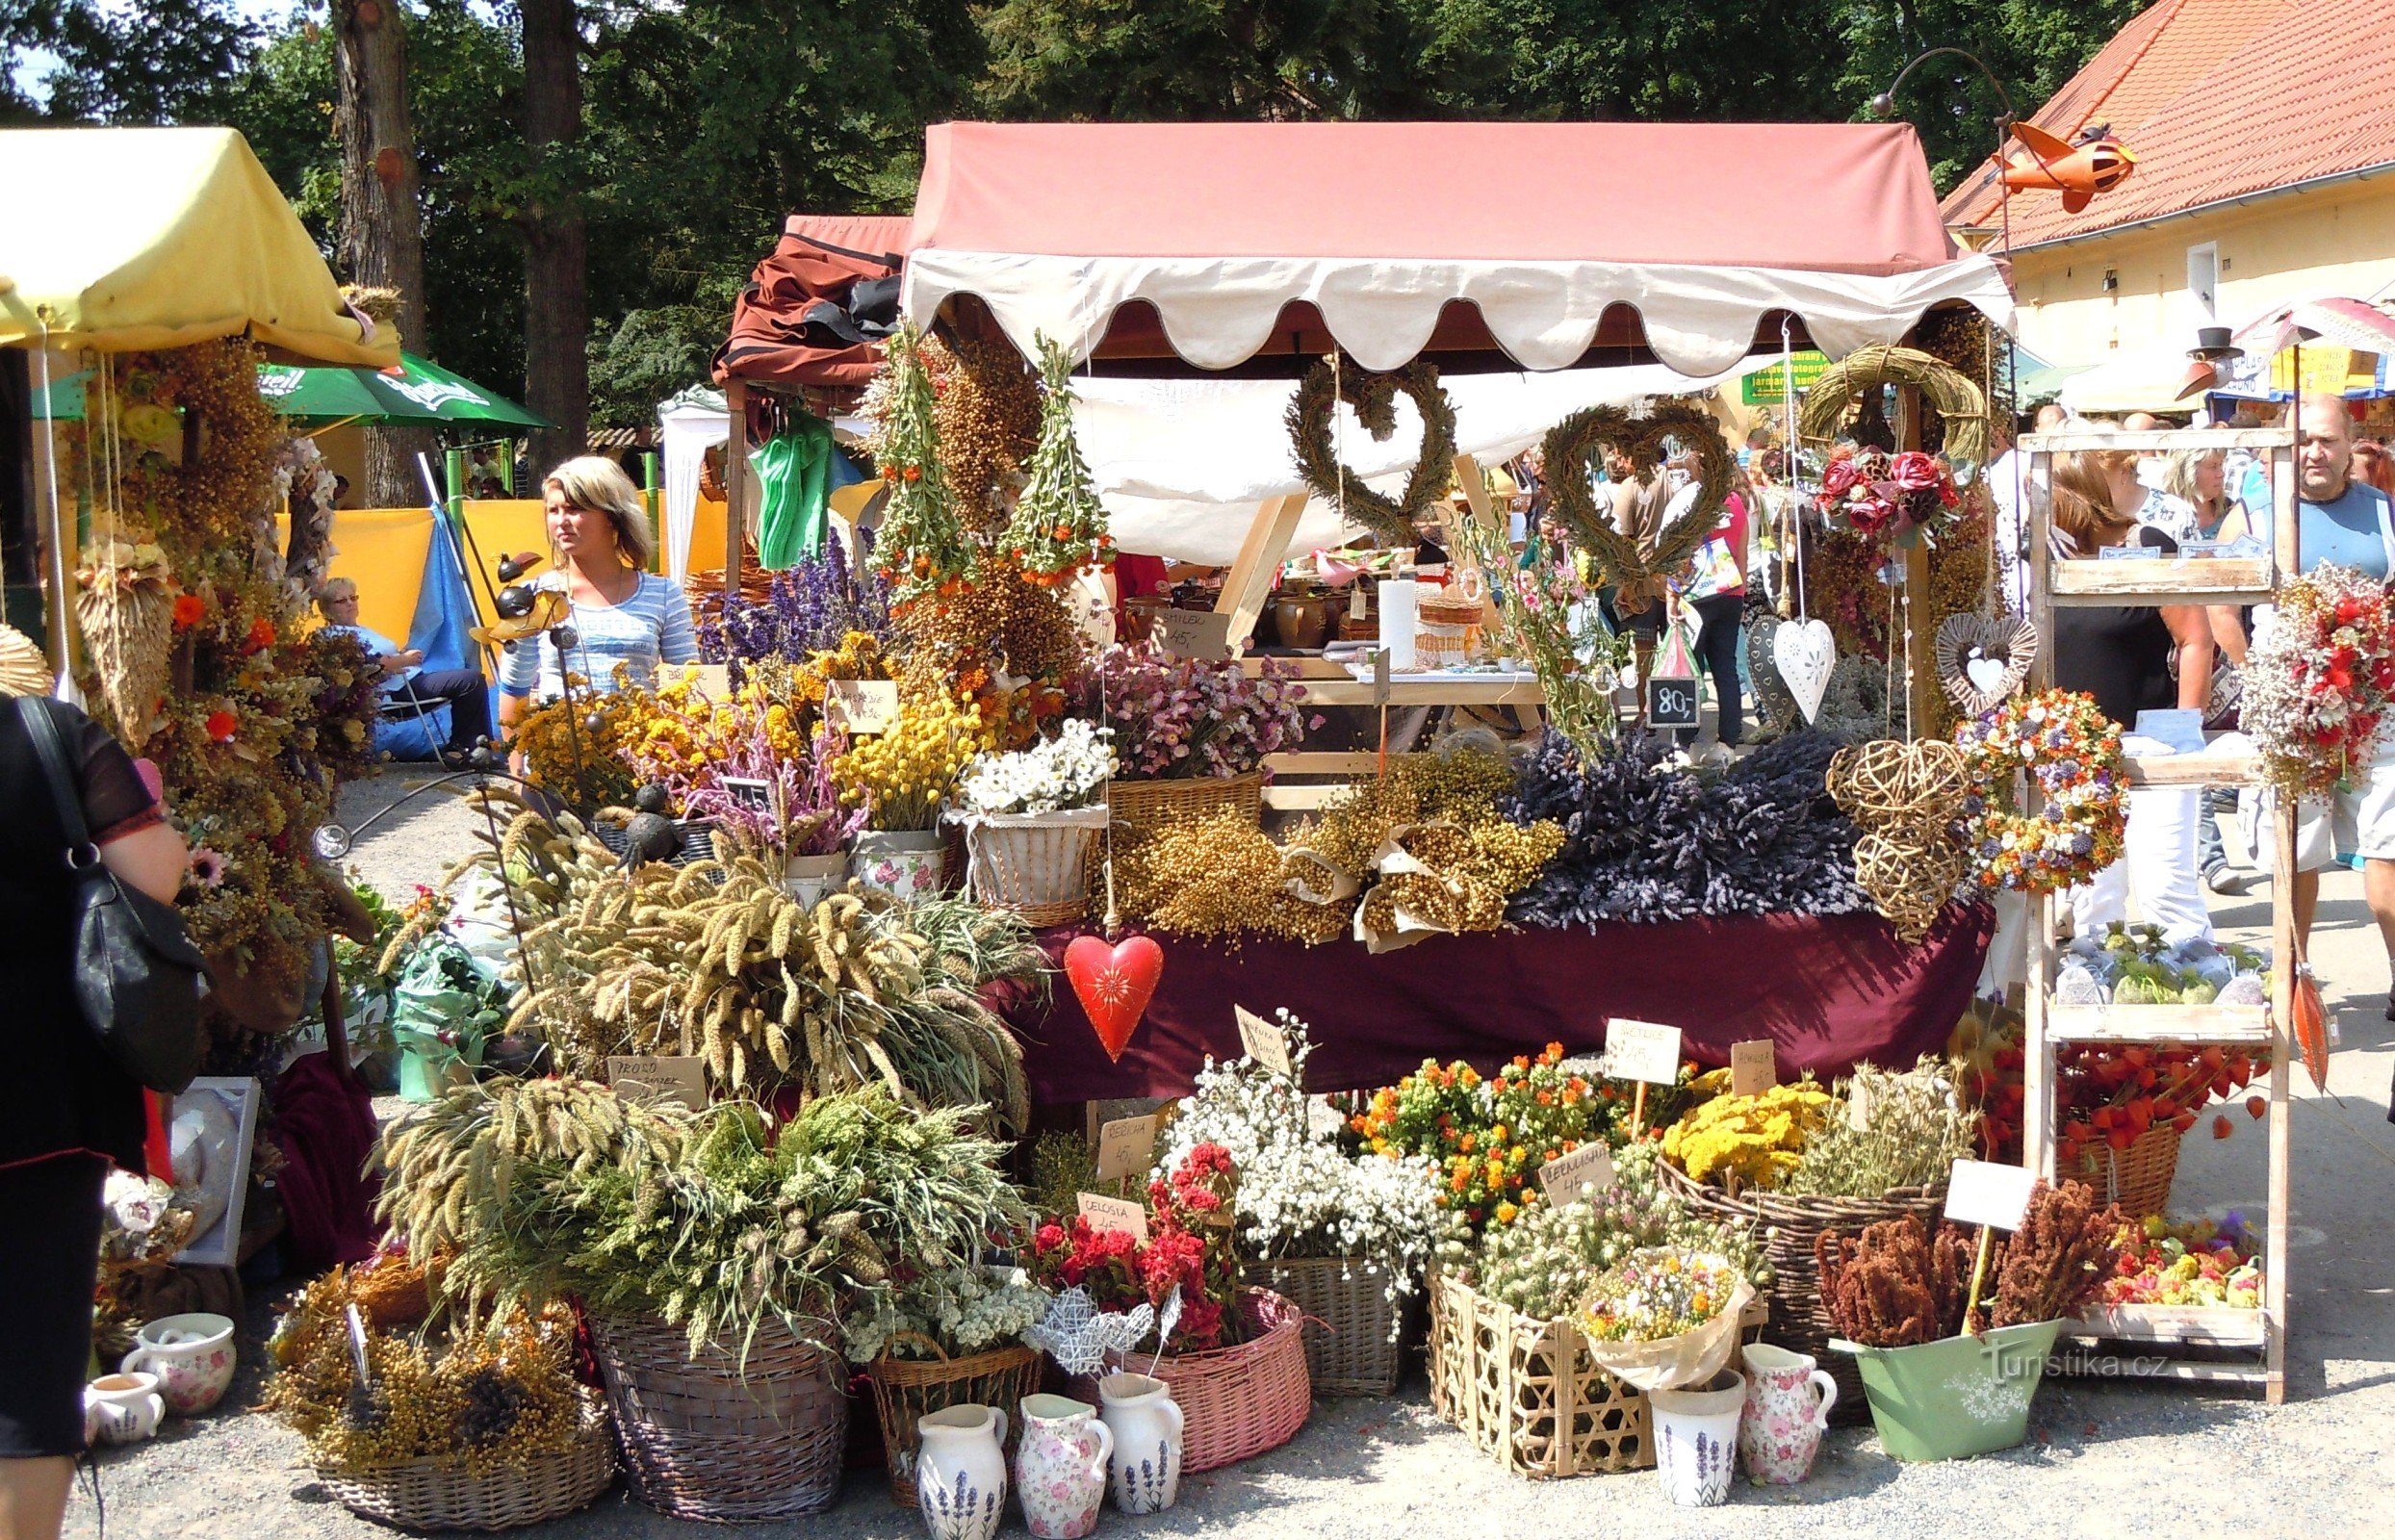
[118,238]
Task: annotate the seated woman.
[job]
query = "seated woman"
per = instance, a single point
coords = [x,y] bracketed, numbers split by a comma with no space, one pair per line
[618,610]
[405,679]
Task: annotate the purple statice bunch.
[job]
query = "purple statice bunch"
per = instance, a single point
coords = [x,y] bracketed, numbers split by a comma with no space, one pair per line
[806,610]
[1185,719]
[803,815]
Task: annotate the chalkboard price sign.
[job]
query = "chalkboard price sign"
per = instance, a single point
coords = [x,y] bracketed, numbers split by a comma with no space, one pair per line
[1671,701]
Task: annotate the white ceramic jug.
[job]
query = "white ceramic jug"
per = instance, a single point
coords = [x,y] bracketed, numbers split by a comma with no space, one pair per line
[122,1408]
[959,1473]
[1696,1438]
[1059,1471]
[1147,1424]
[1781,1429]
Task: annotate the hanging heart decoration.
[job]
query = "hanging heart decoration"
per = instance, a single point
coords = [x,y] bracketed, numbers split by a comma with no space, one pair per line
[1983,660]
[1804,653]
[1905,797]
[1373,397]
[1570,452]
[1772,700]
[1114,985]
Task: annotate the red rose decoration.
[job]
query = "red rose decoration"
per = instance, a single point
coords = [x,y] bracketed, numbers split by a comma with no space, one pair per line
[1870,515]
[1915,472]
[1838,479]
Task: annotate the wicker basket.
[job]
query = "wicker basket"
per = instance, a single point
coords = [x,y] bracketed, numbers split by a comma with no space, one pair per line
[1790,1225]
[710,1437]
[904,1389]
[2139,1177]
[1443,631]
[1238,1401]
[440,1493]
[1036,864]
[1150,804]
[1352,1336]
[1525,1390]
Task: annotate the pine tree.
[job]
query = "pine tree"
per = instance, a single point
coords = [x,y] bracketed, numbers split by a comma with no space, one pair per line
[921,546]
[1059,525]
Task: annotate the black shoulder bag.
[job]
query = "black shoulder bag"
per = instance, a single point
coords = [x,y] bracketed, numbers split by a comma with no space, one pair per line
[137,974]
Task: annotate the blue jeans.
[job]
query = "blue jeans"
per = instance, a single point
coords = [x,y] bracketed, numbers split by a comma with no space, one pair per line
[2211,853]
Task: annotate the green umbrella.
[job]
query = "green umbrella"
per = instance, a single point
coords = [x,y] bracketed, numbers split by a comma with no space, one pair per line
[417,391]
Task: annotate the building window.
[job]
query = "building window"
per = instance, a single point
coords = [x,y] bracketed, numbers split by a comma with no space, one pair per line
[2204,279]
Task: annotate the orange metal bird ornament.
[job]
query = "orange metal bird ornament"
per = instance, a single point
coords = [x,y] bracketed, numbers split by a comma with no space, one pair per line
[2078,171]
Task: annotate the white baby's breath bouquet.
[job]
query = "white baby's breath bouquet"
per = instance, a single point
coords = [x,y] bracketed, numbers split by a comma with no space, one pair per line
[1052,776]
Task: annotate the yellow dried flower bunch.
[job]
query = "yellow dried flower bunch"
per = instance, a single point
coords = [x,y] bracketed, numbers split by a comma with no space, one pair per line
[1744,1141]
[902,776]
[680,731]
[1218,877]
[1472,873]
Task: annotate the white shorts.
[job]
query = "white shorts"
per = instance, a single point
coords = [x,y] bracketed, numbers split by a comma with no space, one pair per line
[2360,821]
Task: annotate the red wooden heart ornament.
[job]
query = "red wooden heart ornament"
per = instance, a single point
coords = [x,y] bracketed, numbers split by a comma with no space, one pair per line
[1114,984]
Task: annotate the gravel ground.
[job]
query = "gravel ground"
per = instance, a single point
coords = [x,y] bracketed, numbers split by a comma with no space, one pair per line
[2104,1460]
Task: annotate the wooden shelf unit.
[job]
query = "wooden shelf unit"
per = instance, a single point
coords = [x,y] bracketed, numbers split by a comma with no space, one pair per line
[2173,1342]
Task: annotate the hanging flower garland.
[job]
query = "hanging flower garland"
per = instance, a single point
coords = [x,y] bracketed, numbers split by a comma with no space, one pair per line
[922,548]
[1898,499]
[2073,750]
[2319,681]
[1373,397]
[1059,526]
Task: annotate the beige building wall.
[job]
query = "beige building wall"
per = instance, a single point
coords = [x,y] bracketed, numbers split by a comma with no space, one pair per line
[2291,246]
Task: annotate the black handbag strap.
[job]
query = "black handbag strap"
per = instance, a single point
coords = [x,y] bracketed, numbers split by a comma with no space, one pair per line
[42,728]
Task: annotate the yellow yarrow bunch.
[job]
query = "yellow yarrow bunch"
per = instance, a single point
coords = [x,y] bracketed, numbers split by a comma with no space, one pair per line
[1741,1142]
[901,777]
[683,732]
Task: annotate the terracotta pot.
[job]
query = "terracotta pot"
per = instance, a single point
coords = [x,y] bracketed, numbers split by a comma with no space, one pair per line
[1303,620]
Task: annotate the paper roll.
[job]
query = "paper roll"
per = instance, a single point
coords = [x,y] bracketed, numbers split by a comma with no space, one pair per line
[1401,609]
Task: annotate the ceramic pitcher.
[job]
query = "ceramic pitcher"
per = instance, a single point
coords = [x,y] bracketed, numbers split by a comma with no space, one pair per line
[191,1354]
[1059,1471]
[122,1408]
[1147,1424]
[1696,1438]
[1782,1430]
[959,1473]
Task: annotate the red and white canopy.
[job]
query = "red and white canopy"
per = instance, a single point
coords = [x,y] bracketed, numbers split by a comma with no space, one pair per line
[1216,242]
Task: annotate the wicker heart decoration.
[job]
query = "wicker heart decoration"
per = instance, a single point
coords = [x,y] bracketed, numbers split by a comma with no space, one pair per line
[1114,985]
[1373,397]
[1982,659]
[1804,653]
[1905,797]
[1571,446]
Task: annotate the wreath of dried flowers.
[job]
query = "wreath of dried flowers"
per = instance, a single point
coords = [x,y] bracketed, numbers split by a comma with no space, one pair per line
[1569,452]
[2073,750]
[1373,397]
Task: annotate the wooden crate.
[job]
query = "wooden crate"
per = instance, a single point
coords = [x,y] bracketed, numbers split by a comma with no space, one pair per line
[1527,1392]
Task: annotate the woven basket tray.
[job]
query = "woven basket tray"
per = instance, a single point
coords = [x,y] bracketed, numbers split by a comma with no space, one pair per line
[1036,866]
[1148,803]
[2139,1177]
[713,1438]
[1790,1225]
[906,1389]
[698,840]
[442,1493]
[1525,1390]
[1236,1403]
[1352,1343]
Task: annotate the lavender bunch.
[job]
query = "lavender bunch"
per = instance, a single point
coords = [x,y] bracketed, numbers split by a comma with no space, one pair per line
[807,610]
[1648,842]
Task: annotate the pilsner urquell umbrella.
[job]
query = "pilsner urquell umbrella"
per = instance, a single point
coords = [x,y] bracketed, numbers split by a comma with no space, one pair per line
[415,392]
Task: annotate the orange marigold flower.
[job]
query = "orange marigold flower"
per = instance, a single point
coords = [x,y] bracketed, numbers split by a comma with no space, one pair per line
[189,610]
[261,635]
[223,725]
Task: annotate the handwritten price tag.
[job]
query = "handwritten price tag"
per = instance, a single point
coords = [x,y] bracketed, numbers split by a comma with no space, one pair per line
[1263,1041]
[1858,1107]
[1200,633]
[1754,1068]
[861,706]
[1126,1146]
[1114,1214]
[1589,1166]
[1642,1050]
[1982,1193]
[679,1079]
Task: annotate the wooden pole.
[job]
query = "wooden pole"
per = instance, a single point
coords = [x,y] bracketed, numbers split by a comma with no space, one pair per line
[736,473]
[1920,669]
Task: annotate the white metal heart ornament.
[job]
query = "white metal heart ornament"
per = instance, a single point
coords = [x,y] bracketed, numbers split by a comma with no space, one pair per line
[1986,675]
[1804,653]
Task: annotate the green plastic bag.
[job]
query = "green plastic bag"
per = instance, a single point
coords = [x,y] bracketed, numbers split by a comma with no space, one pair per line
[443,1008]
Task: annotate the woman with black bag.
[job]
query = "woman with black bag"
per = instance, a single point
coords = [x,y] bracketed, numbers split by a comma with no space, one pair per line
[67,1109]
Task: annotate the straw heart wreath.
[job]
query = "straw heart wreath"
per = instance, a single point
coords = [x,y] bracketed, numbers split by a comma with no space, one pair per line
[1373,397]
[1905,798]
[1571,447]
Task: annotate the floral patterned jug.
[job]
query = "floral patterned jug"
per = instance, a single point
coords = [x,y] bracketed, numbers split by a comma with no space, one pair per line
[1782,1430]
[1060,1470]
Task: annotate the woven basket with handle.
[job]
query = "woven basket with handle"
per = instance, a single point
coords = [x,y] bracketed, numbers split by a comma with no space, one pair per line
[1153,804]
[1790,1225]
[2139,1177]
[907,1389]
[1352,1336]
[1236,1403]
[1036,864]
[710,1436]
[440,1492]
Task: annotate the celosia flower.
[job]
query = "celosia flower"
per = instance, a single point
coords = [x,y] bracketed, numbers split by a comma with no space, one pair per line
[223,727]
[189,609]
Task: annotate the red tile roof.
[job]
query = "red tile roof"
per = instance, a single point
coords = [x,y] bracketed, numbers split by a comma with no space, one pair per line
[2219,99]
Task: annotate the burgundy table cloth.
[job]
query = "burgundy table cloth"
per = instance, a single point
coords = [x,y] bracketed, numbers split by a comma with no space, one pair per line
[1827,989]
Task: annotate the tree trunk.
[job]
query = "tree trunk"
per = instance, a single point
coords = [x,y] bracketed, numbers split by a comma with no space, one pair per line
[382,234]
[556,309]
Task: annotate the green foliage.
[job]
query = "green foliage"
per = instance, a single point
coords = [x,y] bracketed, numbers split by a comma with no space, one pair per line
[650,355]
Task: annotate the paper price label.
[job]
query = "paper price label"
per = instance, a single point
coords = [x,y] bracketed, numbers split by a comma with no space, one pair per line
[1380,677]
[1125,1147]
[1200,633]
[1642,1050]
[1589,1166]
[679,1079]
[713,680]
[749,792]
[1983,1192]
[1263,1041]
[1754,1068]
[1114,1214]
[861,706]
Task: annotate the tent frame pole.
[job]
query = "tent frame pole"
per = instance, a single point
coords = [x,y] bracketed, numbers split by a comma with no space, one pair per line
[735,475]
[1249,581]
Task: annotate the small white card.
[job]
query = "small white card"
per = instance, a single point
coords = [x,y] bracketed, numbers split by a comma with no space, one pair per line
[749,792]
[2130,553]
[1641,1050]
[1754,1068]
[1112,1214]
[1263,1041]
[1125,1147]
[1589,1166]
[861,706]
[1983,1192]
[679,1079]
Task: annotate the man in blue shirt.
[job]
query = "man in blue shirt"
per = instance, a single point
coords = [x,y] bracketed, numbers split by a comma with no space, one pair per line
[463,690]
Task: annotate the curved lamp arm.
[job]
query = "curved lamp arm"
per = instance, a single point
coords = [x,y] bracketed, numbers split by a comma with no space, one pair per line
[1884,105]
